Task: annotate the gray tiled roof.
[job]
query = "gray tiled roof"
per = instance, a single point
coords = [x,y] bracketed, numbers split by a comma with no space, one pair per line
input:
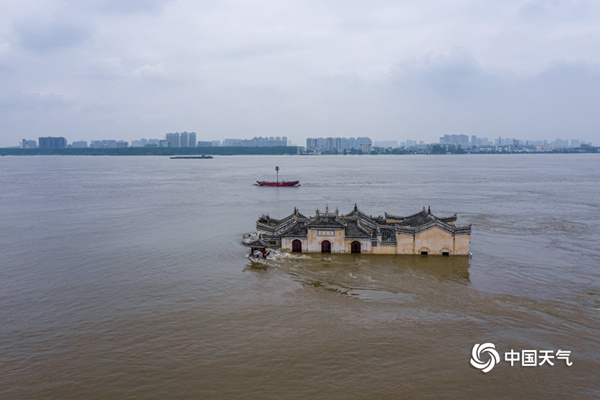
[326,221]
[358,225]
[296,230]
[353,230]
[418,219]
[388,235]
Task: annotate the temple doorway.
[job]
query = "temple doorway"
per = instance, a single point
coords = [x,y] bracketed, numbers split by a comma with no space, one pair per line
[297,246]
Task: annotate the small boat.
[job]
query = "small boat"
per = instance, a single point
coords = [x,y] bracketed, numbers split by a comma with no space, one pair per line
[278,183]
[282,183]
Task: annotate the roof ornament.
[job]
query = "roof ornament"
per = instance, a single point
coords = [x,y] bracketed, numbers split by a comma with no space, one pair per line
[326,208]
[355,208]
[428,209]
[317,213]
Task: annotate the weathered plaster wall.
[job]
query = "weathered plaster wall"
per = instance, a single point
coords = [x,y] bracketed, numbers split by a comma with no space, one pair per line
[286,244]
[337,241]
[365,245]
[384,249]
[405,244]
[461,244]
[434,241]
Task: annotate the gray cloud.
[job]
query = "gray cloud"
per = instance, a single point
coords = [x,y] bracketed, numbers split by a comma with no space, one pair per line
[453,74]
[388,69]
[126,7]
[27,102]
[50,35]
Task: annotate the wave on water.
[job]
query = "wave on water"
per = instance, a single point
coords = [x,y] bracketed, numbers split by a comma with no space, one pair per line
[273,257]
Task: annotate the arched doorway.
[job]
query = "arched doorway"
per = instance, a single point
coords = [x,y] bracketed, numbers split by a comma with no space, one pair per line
[325,246]
[355,247]
[297,246]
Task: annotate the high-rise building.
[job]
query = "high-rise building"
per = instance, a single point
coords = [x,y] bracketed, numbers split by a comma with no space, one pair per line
[337,144]
[187,139]
[103,144]
[183,139]
[232,142]
[80,144]
[52,142]
[462,140]
[173,139]
[29,144]
[257,142]
[561,143]
[311,144]
[139,143]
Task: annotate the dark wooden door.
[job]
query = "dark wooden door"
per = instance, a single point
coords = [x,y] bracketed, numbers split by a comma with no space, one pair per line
[355,247]
[297,246]
[326,246]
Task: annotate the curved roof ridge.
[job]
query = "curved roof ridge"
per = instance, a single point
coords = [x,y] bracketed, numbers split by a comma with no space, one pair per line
[359,225]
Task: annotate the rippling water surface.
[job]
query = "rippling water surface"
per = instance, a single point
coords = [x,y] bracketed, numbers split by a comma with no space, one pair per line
[124,277]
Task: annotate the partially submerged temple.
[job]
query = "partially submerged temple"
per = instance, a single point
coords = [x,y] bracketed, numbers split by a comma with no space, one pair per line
[421,233]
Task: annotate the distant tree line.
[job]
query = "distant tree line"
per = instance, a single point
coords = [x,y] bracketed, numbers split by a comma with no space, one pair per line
[226,151]
[152,151]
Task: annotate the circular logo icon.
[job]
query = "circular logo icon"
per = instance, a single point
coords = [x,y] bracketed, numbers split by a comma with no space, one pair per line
[489,352]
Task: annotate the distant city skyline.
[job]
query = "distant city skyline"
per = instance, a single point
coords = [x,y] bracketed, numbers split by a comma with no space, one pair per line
[302,141]
[389,70]
[365,144]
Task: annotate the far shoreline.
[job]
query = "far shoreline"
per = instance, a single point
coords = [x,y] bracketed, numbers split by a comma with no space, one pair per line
[271,151]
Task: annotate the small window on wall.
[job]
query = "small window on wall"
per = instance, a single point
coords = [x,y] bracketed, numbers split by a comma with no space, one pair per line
[446,253]
[373,244]
[423,253]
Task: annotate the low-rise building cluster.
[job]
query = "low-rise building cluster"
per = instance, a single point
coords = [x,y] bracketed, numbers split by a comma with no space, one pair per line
[257,142]
[338,144]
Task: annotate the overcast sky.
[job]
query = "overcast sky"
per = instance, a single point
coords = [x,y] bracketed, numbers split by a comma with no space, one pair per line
[387,69]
